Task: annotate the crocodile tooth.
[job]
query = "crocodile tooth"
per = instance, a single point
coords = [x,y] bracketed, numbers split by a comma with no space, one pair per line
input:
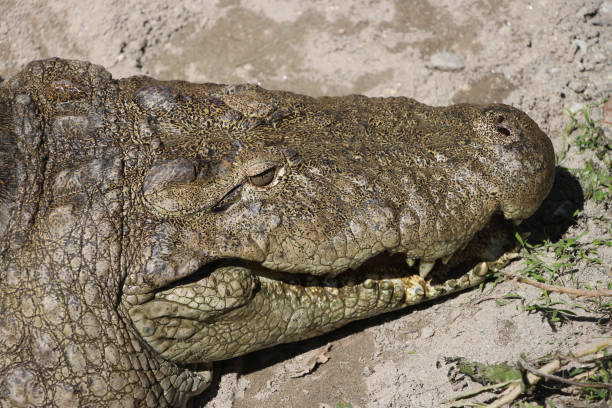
[386,285]
[517,222]
[425,267]
[398,285]
[410,261]
[446,259]
[481,269]
[369,283]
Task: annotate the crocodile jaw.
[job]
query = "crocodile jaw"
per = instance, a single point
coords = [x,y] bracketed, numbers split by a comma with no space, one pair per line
[232,307]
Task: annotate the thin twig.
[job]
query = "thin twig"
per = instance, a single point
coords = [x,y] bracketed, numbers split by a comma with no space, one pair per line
[485,299]
[466,404]
[482,389]
[595,359]
[561,289]
[586,374]
[542,374]
[512,393]
[593,348]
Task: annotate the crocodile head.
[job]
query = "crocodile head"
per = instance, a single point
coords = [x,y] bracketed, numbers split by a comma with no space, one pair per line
[271,217]
[148,225]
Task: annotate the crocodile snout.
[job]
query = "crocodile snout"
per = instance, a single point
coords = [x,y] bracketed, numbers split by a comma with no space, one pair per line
[525,161]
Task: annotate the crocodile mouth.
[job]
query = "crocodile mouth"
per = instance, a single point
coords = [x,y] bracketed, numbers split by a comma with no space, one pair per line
[483,252]
[199,318]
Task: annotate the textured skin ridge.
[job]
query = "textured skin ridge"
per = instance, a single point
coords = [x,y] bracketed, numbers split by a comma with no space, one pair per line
[146,225]
[63,340]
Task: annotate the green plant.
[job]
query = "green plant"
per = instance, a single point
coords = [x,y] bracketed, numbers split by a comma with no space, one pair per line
[592,136]
[596,180]
[596,176]
[550,263]
[544,305]
[567,252]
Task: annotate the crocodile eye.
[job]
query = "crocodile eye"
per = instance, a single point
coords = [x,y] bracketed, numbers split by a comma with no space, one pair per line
[264,178]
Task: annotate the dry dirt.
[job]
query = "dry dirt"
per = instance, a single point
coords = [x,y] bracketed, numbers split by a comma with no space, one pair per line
[542,56]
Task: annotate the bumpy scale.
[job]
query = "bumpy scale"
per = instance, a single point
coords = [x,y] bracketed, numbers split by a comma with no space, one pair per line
[148,225]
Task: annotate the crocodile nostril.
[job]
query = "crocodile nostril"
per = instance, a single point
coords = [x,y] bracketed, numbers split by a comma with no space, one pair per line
[500,119]
[504,131]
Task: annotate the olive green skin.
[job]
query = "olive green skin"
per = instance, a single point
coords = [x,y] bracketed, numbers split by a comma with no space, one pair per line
[148,224]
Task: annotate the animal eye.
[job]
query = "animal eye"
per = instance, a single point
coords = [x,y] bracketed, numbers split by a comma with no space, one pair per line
[264,178]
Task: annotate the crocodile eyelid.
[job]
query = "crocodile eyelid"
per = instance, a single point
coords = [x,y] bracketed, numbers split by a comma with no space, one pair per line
[172,171]
[264,178]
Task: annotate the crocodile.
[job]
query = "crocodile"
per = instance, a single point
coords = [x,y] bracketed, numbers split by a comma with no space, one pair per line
[149,228]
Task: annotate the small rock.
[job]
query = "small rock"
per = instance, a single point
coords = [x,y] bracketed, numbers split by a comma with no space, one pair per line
[596,114]
[564,211]
[604,15]
[603,21]
[413,335]
[575,107]
[459,385]
[427,332]
[445,61]
[454,314]
[556,84]
[581,45]
[607,112]
[589,10]
[368,371]
[577,85]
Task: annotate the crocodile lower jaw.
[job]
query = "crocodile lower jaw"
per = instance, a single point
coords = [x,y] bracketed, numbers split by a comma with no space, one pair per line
[230,307]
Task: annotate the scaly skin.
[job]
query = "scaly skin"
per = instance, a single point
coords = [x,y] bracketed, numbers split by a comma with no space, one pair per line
[146,225]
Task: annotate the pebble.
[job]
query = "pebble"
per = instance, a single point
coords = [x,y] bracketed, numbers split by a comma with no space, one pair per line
[368,371]
[427,332]
[445,61]
[607,112]
[564,210]
[575,107]
[577,85]
[581,45]
[603,18]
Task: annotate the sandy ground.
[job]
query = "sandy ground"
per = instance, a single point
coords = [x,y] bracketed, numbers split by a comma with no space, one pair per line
[542,56]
